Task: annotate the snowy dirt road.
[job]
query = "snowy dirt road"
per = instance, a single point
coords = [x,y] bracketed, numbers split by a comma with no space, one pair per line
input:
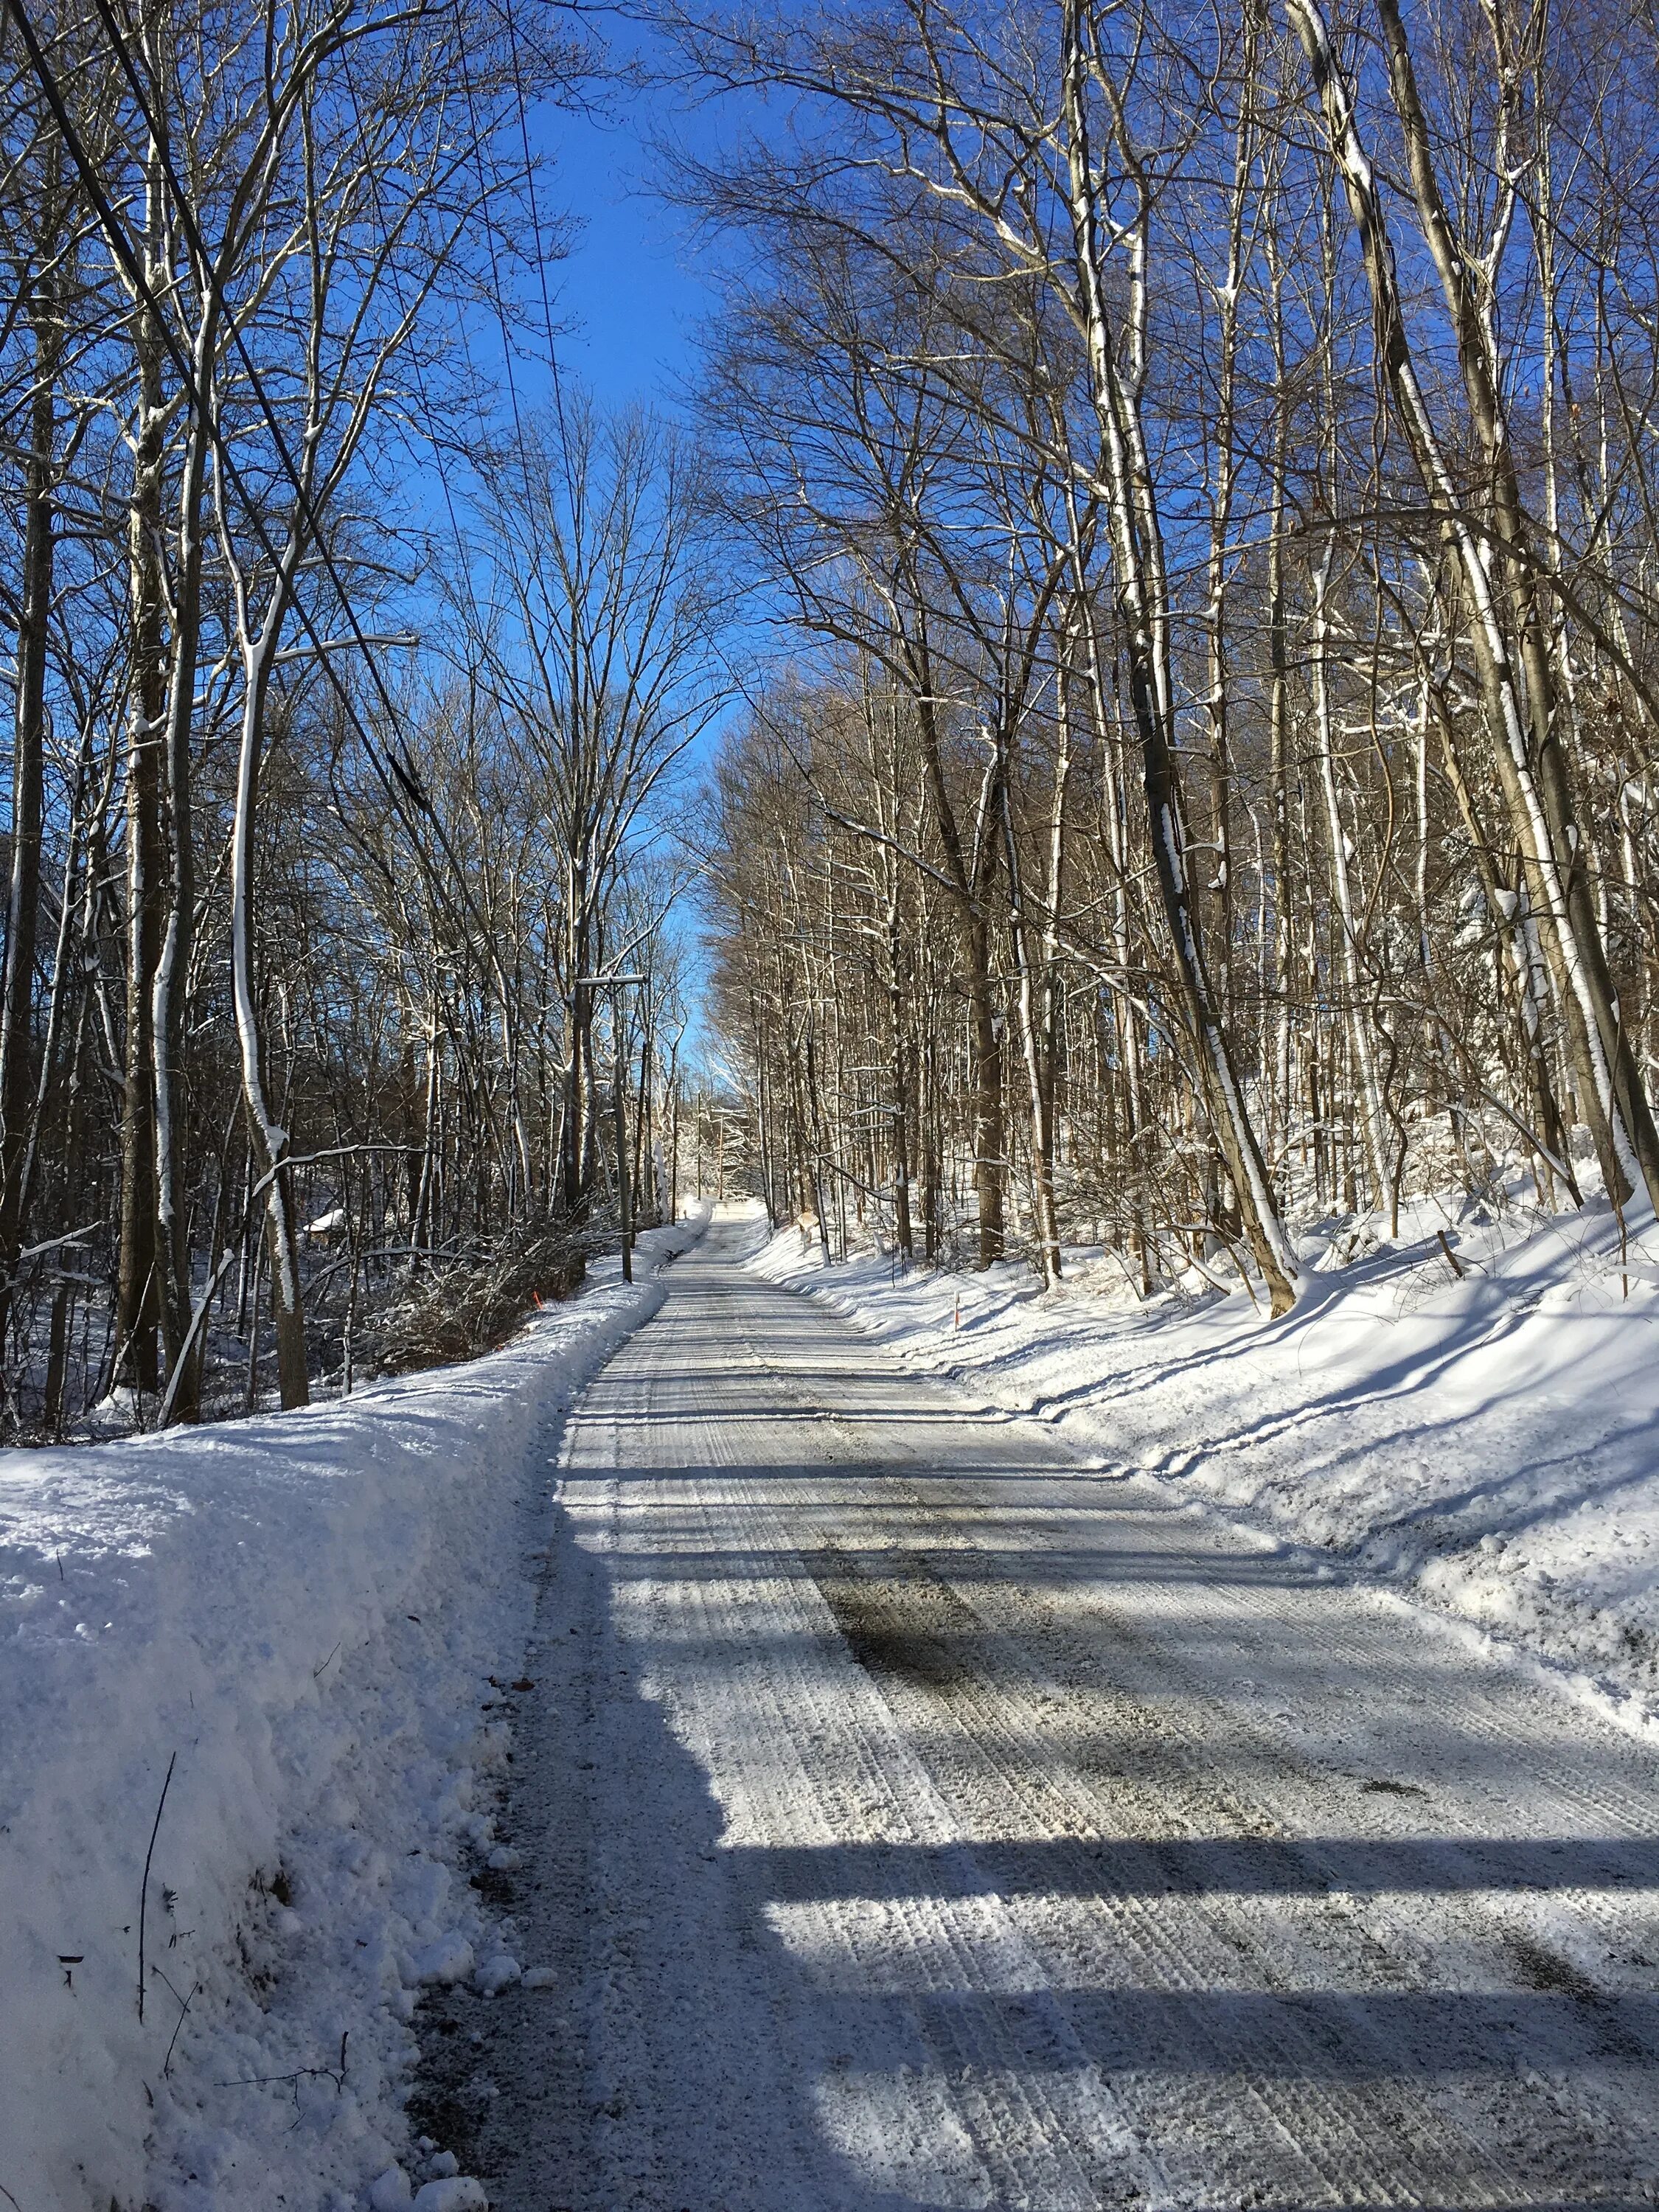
[915,1820]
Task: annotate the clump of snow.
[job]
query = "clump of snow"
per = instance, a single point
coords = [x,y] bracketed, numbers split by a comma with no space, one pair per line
[245,1714]
[454,2193]
[496,1974]
[440,1964]
[540,1977]
[1469,1413]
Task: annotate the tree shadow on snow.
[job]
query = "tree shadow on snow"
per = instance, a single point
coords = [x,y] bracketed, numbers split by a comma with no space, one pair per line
[691,2060]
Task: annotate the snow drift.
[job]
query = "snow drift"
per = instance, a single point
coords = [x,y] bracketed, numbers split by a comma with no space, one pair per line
[246,1723]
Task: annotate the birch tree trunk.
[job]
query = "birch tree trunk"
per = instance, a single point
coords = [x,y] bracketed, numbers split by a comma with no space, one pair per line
[1140,586]
[169,1011]
[1354,1013]
[1525,742]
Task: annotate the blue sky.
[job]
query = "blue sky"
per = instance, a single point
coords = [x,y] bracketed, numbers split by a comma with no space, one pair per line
[631,286]
[637,280]
[630,293]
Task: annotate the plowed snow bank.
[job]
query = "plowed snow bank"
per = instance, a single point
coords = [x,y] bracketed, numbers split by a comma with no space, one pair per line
[295,1616]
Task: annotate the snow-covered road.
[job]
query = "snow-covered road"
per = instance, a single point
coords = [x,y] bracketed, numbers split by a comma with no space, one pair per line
[917,1820]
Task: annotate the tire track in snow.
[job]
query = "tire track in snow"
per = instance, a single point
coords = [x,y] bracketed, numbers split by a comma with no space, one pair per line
[961,1829]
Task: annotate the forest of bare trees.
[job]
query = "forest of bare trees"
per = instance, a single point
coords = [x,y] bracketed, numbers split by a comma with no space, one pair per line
[1208,462]
[347,685]
[1196,471]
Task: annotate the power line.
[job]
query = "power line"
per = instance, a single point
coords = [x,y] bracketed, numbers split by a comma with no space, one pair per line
[187,214]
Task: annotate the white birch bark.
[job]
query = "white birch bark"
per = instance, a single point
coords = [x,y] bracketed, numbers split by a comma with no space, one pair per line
[1371,1117]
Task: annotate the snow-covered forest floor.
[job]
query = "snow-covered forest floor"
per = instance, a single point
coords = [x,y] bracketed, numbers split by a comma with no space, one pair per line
[1474,1421]
[245,1674]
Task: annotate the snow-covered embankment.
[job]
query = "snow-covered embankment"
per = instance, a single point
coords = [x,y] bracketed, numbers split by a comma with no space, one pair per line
[286,1626]
[1471,1418]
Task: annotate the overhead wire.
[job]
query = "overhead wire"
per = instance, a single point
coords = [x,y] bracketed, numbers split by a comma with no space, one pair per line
[398,776]
[430,415]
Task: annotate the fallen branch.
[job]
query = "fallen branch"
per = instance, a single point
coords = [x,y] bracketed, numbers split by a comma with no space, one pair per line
[144,1892]
[184,2005]
[337,2074]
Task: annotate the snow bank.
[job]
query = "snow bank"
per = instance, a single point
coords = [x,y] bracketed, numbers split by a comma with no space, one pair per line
[258,1656]
[1486,1440]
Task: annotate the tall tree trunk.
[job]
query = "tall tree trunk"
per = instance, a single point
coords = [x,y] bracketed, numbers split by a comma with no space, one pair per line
[269,1139]
[138,1289]
[903,1228]
[990,1121]
[1278,774]
[579,1042]
[1027,985]
[28,790]
[1222,484]
[970,875]
[170,1012]
[1142,596]
[1360,1044]
[1525,742]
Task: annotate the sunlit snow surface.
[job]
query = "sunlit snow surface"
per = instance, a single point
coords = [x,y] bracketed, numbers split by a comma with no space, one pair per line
[1488,1442]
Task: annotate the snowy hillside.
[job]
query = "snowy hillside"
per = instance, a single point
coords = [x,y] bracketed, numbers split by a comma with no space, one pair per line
[246,1735]
[1475,1421]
